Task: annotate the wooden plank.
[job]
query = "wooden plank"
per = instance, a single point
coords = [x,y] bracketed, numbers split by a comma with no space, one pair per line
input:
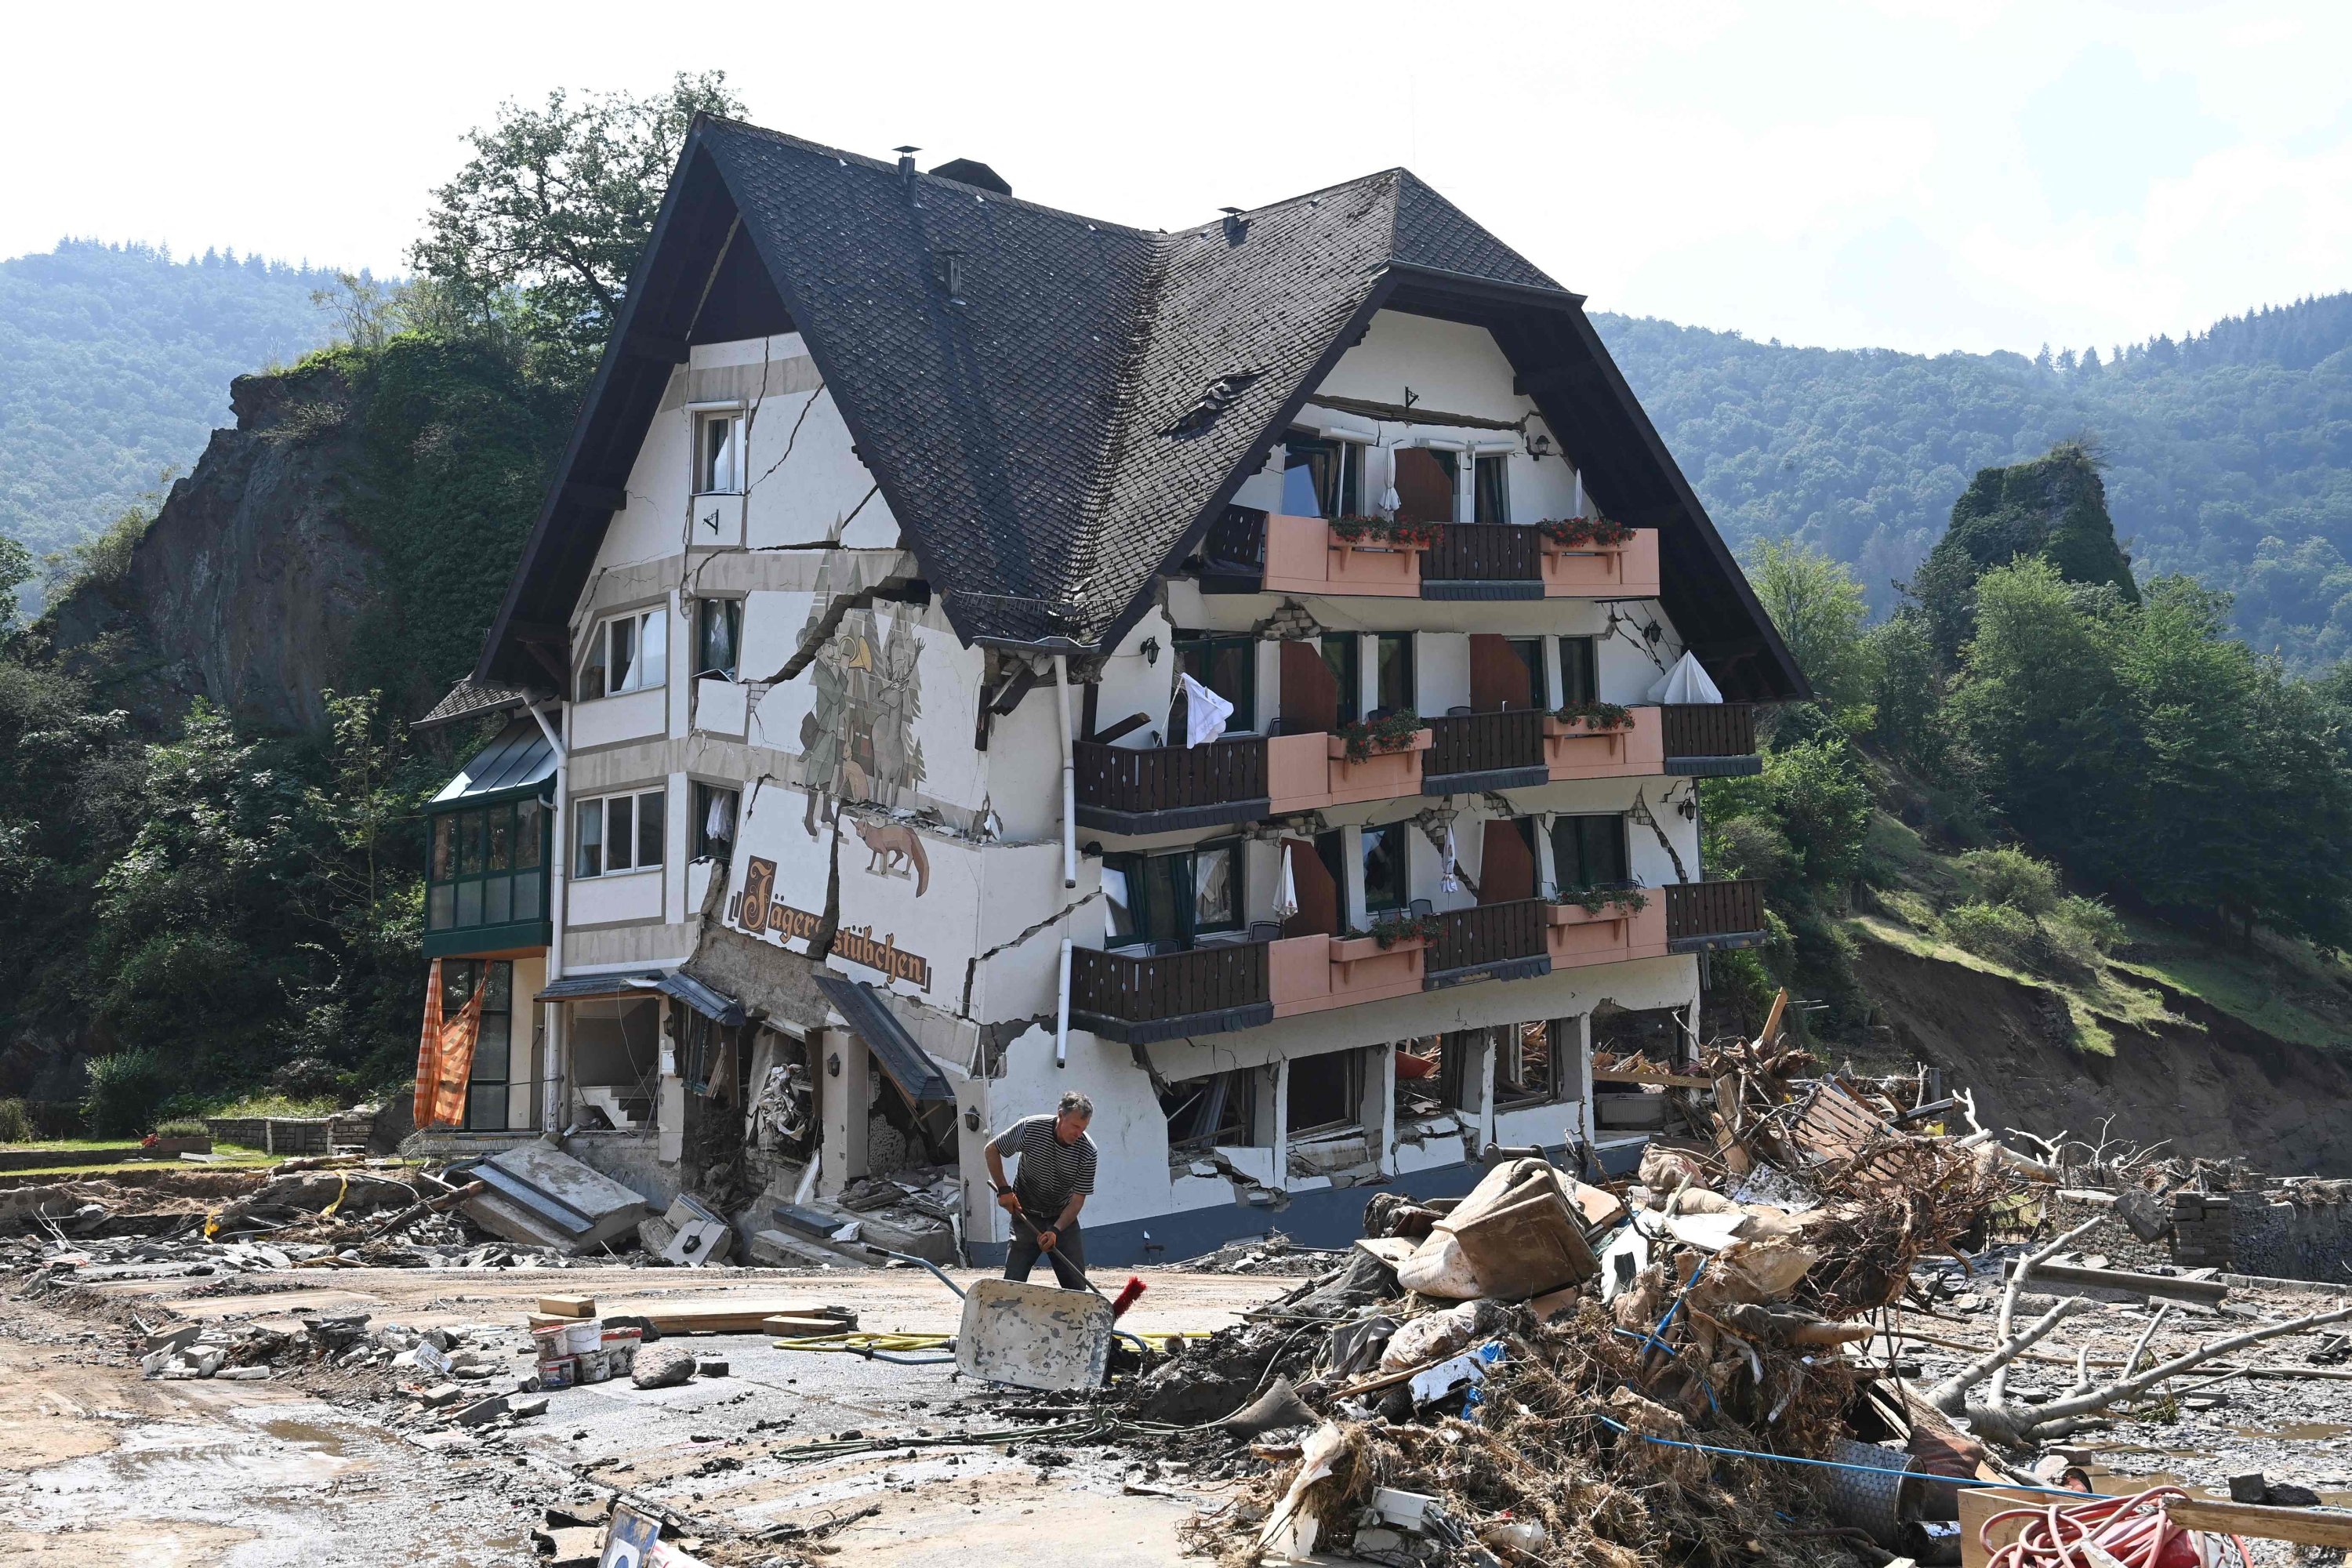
[733,1317]
[2301,1526]
[788,1327]
[2124,1279]
[568,1306]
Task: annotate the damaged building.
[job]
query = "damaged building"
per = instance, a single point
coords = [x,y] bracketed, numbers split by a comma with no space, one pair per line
[1253,674]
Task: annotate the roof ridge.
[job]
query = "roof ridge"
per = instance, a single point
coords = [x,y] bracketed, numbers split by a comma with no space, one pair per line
[1120,418]
[883,166]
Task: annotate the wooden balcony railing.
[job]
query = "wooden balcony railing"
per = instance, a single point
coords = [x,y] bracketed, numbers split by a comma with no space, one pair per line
[1200,990]
[1235,544]
[1489,934]
[1129,781]
[1701,914]
[1484,553]
[1485,743]
[1708,729]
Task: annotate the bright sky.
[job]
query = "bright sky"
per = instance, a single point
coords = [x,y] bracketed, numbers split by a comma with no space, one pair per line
[1916,173]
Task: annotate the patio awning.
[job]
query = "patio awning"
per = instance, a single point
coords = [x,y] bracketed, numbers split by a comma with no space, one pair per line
[713,1004]
[909,1066]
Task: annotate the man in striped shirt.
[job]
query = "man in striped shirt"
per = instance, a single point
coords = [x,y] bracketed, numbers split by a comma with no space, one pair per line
[1057,1174]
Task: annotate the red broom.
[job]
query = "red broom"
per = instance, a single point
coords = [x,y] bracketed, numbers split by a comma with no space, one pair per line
[1126,1297]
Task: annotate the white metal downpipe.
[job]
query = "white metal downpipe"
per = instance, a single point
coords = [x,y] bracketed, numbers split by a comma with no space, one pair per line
[1069,776]
[551,1118]
[1062,1011]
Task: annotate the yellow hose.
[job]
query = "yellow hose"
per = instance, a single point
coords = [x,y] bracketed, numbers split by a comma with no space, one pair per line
[861,1341]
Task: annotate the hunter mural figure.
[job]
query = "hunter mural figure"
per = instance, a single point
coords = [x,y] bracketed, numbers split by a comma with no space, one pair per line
[857,743]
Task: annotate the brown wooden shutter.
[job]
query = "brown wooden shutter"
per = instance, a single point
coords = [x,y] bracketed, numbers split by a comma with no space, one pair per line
[1310,692]
[1506,866]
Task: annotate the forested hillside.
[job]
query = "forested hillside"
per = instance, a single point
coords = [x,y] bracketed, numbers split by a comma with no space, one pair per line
[114,365]
[2228,457]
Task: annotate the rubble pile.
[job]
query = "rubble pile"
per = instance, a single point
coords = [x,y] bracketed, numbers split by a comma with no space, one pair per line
[1560,1370]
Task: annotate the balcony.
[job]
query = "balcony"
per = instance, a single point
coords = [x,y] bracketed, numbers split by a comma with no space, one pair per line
[1250,552]
[1159,789]
[1473,751]
[1714,916]
[1709,739]
[1138,997]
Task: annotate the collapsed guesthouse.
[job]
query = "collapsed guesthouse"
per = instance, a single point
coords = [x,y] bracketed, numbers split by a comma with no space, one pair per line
[1253,674]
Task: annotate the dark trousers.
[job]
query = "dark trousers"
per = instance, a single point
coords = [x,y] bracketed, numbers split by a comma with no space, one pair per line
[1068,1257]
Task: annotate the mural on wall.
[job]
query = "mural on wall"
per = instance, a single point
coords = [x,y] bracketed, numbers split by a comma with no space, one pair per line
[858,741]
[895,849]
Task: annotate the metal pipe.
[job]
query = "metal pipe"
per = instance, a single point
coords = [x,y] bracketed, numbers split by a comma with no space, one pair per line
[1069,776]
[1062,1011]
[550,1115]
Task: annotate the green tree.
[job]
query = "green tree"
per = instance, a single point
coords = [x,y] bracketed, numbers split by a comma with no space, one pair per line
[15,569]
[1821,613]
[551,213]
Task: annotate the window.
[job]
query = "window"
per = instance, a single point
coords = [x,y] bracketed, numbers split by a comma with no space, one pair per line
[1385,883]
[486,866]
[1321,478]
[714,822]
[1326,1093]
[627,652]
[1343,655]
[1173,898]
[1426,484]
[1529,652]
[1210,1113]
[1588,852]
[1491,484]
[1392,672]
[486,1089]
[1226,666]
[619,833]
[717,633]
[719,453]
[1580,674]
[1527,1062]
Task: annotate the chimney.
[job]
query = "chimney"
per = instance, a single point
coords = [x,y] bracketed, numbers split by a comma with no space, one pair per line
[906,163]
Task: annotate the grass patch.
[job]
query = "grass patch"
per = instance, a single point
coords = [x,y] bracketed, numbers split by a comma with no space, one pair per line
[236,1160]
[279,1105]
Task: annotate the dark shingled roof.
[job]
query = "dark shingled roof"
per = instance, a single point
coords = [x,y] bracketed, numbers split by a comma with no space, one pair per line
[1063,428]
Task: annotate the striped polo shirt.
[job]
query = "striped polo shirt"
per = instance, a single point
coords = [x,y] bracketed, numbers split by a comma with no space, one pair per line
[1050,1170]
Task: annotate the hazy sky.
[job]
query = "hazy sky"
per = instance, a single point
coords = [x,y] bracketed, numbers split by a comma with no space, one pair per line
[1929,175]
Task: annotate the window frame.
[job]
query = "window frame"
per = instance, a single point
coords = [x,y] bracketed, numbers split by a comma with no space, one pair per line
[1343,495]
[731,609]
[1404,644]
[1569,828]
[705,471]
[1207,646]
[1343,655]
[1404,852]
[599,661]
[1354,1073]
[461,977]
[447,878]
[1554,1091]
[701,795]
[1238,1089]
[1183,910]
[600,807]
[1481,466]
[1587,666]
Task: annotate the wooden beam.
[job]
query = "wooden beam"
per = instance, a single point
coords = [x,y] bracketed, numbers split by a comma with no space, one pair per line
[2301,1526]
[1670,1079]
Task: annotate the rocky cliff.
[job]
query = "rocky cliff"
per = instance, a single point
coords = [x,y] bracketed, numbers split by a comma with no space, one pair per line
[354,528]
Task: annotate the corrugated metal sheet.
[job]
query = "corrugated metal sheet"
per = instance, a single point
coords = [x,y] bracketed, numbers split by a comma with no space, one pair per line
[521,755]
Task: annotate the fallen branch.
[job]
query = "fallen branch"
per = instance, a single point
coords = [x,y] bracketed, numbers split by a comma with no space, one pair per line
[1950,1396]
[430,1206]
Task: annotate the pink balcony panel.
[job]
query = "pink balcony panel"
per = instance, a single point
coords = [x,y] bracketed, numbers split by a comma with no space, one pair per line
[1304,556]
[1310,974]
[1627,571]
[1576,750]
[1611,935]
[1306,772]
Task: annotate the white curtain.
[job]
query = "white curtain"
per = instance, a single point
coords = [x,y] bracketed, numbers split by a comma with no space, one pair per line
[1285,892]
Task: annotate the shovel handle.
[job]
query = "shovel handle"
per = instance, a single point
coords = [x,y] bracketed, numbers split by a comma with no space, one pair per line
[919,1262]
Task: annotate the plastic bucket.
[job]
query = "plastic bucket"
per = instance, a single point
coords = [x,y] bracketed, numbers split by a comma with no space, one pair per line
[561,1372]
[580,1339]
[593,1367]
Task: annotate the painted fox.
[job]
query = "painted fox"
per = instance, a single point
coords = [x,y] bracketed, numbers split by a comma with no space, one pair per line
[889,843]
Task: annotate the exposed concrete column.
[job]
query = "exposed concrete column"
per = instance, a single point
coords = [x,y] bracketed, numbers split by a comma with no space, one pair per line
[844,1101]
[1583,1042]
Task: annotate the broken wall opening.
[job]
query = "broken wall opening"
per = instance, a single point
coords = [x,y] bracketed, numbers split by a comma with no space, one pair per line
[1204,1113]
[615,1050]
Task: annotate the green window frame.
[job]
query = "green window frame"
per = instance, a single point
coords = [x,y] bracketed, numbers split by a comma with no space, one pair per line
[1579,669]
[1226,666]
[486,865]
[1589,852]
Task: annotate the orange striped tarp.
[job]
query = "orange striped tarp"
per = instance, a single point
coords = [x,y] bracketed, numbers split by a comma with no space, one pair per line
[444,1055]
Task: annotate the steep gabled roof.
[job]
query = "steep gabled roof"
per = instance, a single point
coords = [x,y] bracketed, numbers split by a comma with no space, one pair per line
[1066,423]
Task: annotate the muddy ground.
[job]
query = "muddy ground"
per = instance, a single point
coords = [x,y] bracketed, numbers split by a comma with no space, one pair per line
[2211,1085]
[105,1467]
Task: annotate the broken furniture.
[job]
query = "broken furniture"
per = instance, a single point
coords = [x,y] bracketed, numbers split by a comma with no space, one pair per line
[538,1195]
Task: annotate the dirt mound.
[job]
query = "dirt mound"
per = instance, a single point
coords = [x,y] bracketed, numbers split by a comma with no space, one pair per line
[2214,1086]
